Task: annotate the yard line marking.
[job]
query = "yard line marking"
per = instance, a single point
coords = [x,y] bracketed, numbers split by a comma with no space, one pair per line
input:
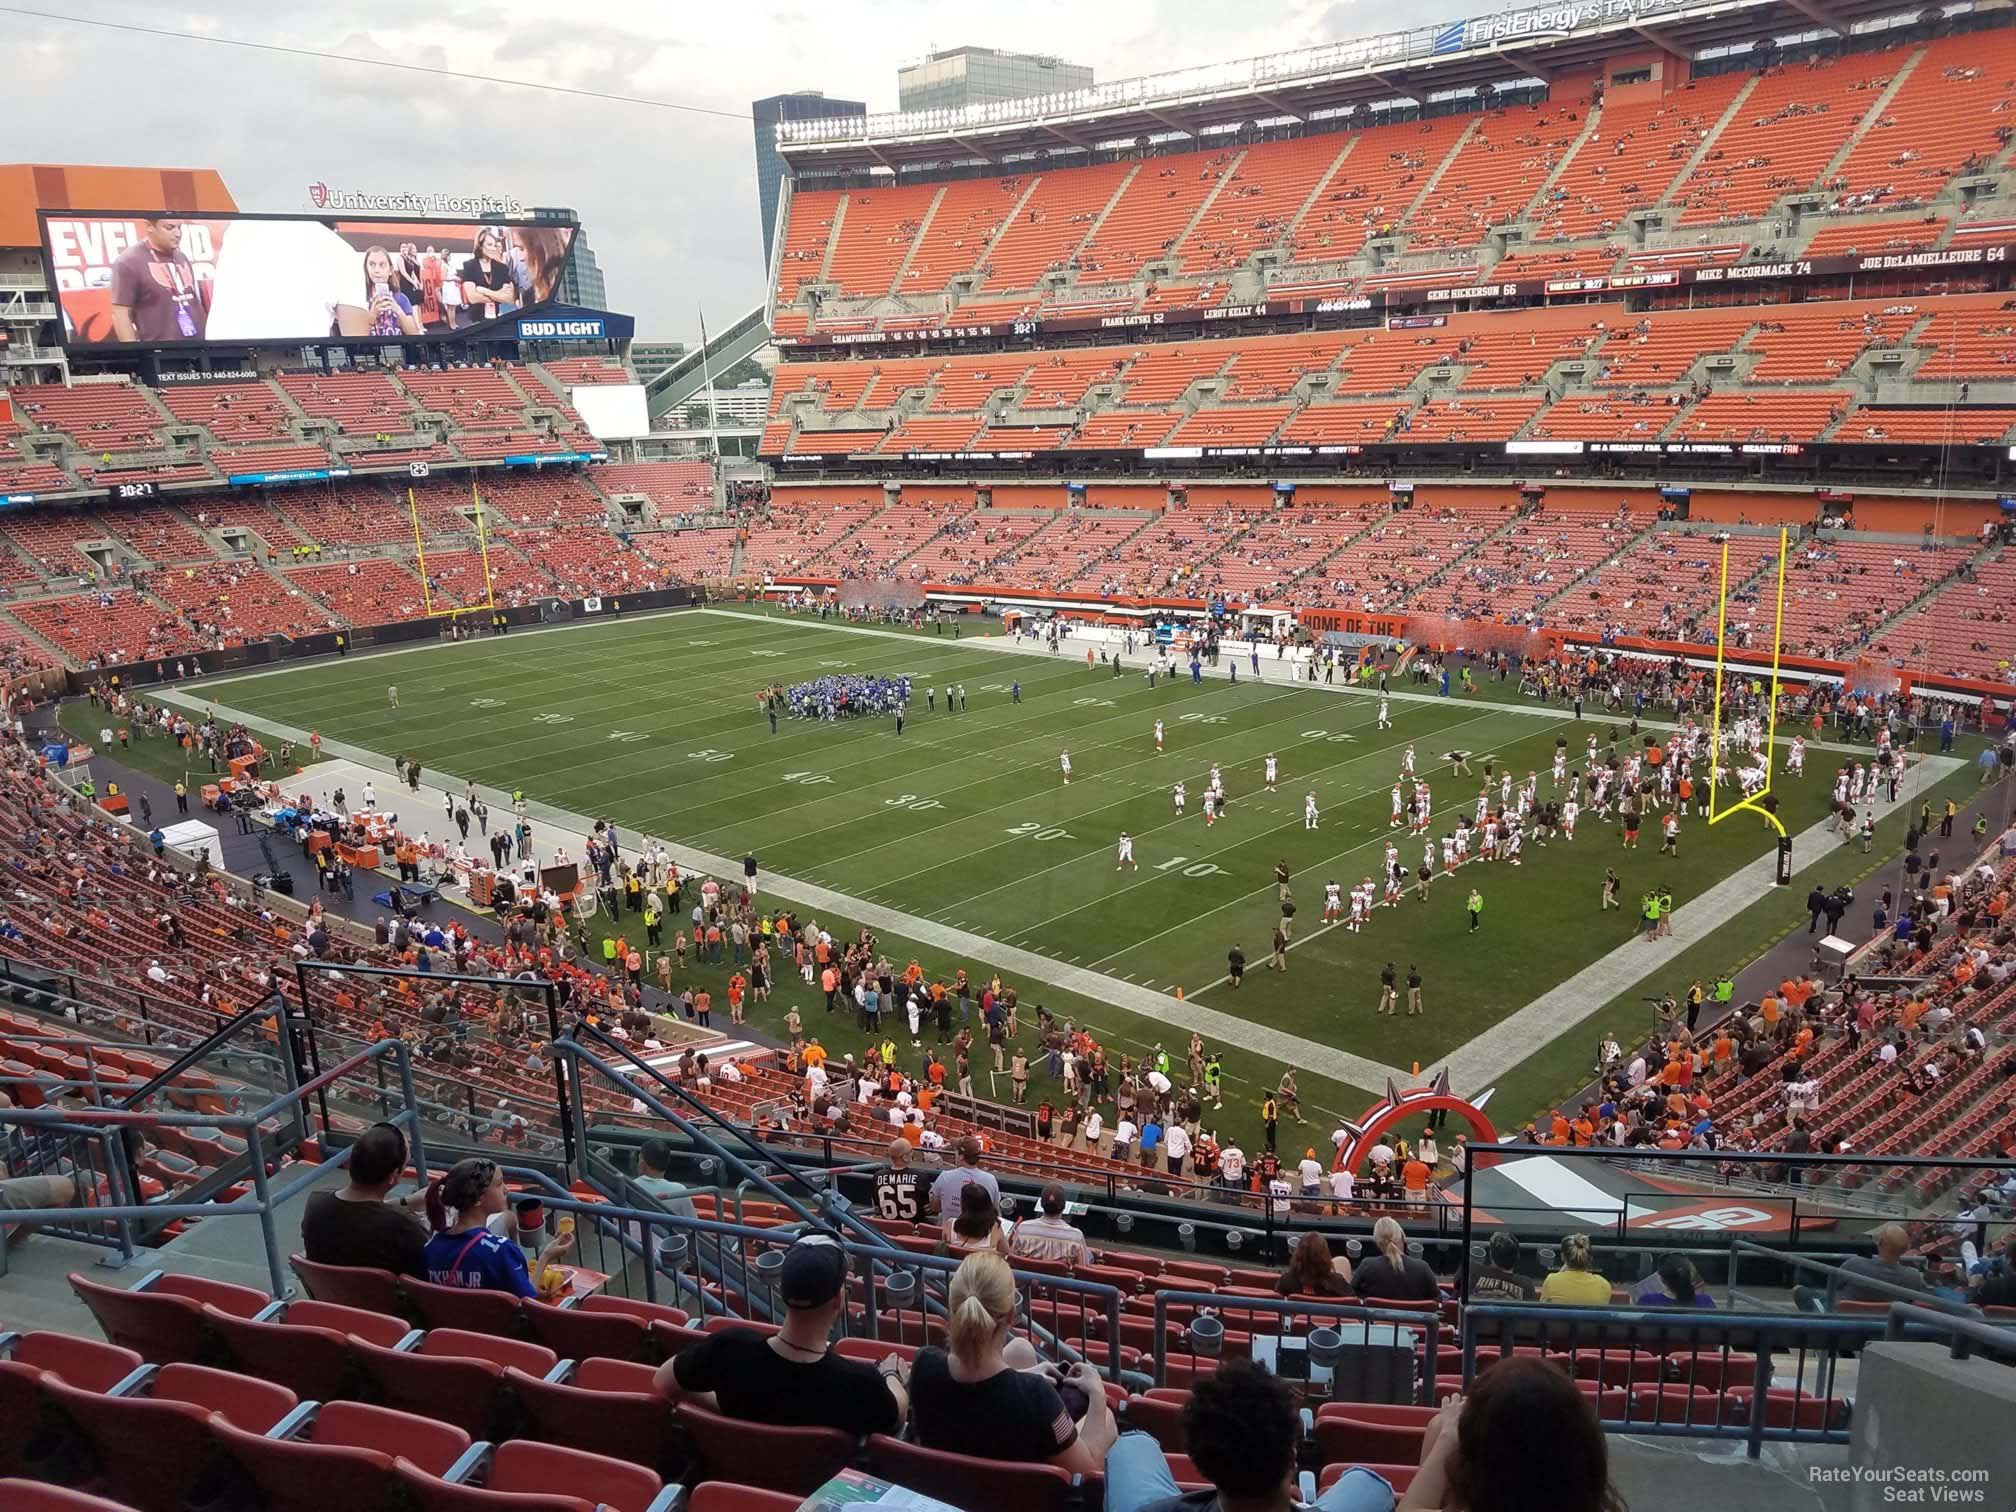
[1001,646]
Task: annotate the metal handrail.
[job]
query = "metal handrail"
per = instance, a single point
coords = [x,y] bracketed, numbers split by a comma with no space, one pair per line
[572,1050]
[610,1218]
[1628,1331]
[1837,1276]
[265,1196]
[1965,1332]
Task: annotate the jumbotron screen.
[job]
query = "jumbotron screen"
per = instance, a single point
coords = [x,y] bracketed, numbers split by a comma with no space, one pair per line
[172,280]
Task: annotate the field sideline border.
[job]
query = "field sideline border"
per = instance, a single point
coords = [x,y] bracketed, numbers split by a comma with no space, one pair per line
[1529,1028]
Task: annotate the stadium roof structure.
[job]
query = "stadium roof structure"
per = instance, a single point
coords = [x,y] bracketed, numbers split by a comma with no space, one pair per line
[26,188]
[1535,44]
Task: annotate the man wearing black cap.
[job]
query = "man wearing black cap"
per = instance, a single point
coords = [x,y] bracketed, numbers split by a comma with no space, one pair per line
[792,1379]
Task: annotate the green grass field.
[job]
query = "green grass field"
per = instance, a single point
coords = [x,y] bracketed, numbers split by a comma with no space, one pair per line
[965,820]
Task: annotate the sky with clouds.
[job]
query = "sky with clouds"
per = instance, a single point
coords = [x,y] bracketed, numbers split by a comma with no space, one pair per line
[668,197]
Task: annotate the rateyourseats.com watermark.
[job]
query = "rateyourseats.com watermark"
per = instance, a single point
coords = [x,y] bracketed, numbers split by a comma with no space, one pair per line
[1910,1485]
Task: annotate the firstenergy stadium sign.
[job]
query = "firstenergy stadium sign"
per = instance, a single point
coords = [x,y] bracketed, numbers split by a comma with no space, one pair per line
[1549,21]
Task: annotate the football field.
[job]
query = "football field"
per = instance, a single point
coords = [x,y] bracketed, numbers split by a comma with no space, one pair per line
[963,830]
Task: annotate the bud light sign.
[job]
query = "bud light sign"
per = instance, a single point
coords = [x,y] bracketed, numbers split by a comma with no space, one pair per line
[560,330]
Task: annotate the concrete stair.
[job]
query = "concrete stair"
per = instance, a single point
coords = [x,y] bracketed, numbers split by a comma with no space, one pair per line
[833,238]
[1011,218]
[1589,572]
[1197,215]
[1590,122]
[1428,186]
[923,229]
[1707,143]
[1871,116]
[1119,190]
[1980,558]
[1287,237]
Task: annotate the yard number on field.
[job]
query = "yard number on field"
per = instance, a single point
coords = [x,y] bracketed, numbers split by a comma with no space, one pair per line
[912,802]
[486,703]
[1193,717]
[707,755]
[1338,739]
[552,719]
[806,779]
[766,653]
[1093,703]
[1194,869]
[1037,832]
[628,736]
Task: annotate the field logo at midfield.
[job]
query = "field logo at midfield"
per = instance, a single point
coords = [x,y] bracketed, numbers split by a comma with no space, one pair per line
[1751,801]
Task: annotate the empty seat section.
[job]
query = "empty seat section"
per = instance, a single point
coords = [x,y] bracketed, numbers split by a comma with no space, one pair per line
[1629,161]
[876,233]
[1734,415]
[1146,221]
[1259,199]
[806,234]
[1496,172]
[1942,122]
[99,417]
[1783,134]
[1050,226]
[968,215]
[1377,183]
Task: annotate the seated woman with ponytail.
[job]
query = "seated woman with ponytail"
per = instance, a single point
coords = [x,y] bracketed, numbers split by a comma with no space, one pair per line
[1393,1275]
[992,1398]
[463,1250]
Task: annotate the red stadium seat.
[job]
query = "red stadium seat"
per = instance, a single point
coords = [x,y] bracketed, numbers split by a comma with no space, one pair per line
[545,1469]
[38,1496]
[755,1454]
[459,1343]
[674,1338]
[606,1407]
[161,1319]
[429,1493]
[1786,1408]
[455,1389]
[349,1285]
[471,1308]
[575,1333]
[343,1457]
[29,1433]
[154,1449]
[719,1496]
[973,1485]
[1160,1417]
[1342,1434]
[314,1363]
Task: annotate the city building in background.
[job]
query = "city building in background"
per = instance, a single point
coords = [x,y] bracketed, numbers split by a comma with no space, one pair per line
[743,406]
[980,75]
[650,358]
[803,105]
[583,284]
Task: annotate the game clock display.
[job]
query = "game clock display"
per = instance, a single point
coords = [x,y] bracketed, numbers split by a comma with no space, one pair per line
[131,493]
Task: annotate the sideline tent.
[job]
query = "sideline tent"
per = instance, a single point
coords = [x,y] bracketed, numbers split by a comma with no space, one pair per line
[194,838]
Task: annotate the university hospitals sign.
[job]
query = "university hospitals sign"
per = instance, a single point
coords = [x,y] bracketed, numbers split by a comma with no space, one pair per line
[415,202]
